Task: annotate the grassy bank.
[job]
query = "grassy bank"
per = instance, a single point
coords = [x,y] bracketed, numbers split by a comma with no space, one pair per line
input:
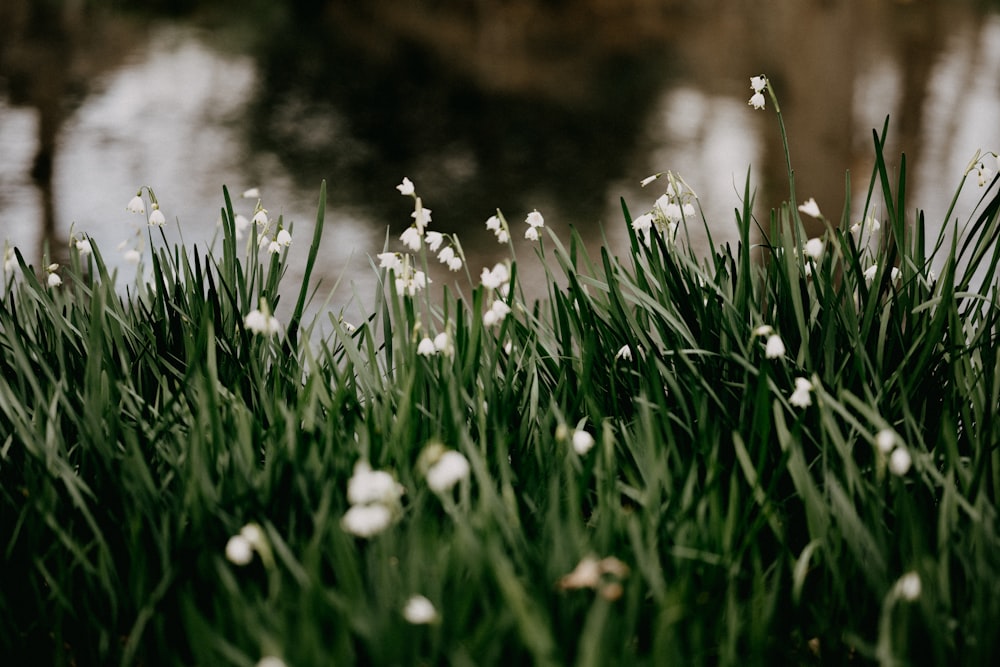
[780,453]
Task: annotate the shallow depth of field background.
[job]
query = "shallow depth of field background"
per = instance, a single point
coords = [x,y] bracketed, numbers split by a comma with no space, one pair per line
[559,106]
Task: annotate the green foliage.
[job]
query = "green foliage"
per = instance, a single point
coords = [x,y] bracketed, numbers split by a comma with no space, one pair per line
[729,524]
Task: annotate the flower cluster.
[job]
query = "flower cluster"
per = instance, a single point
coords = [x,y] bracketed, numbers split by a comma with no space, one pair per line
[408,280]
[604,575]
[443,467]
[53,280]
[241,547]
[137,205]
[497,280]
[888,445]
[416,235]
[774,347]
[440,344]
[669,210]
[535,221]
[260,321]
[757,83]
[581,440]
[375,501]
[498,225]
[801,397]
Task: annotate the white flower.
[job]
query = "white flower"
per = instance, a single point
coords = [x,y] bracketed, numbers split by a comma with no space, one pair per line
[426,348]
[411,238]
[625,352]
[54,280]
[531,233]
[434,240]
[260,218]
[811,208]
[496,313]
[490,319]
[756,101]
[493,223]
[873,269]
[582,441]
[535,219]
[83,247]
[252,193]
[419,611]
[270,661]
[495,277]
[775,347]
[421,216]
[406,187]
[503,236]
[156,217]
[649,179]
[643,224]
[239,550]
[9,259]
[253,534]
[274,247]
[240,223]
[451,468]
[908,586]
[455,263]
[813,248]
[366,520]
[763,330]
[132,256]
[758,83]
[871,222]
[885,440]
[136,205]
[900,461]
[443,344]
[983,174]
[367,486]
[390,260]
[801,397]
[283,238]
[262,322]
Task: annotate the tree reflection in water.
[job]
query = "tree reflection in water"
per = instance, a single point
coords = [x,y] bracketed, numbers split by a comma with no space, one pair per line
[553,105]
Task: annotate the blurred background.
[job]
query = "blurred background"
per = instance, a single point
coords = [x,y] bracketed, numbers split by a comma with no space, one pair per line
[557,105]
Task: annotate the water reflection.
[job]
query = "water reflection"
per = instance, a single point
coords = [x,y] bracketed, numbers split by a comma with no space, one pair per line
[558,106]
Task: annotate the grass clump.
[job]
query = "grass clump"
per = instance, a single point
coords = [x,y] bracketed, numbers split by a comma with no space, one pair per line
[779,452]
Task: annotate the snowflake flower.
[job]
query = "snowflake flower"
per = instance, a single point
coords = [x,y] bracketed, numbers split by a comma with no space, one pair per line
[531,233]
[426,347]
[366,520]
[624,352]
[908,586]
[443,344]
[649,179]
[421,216]
[53,280]
[391,261]
[496,313]
[367,486]
[811,208]
[499,228]
[493,223]
[756,101]
[241,224]
[260,321]
[260,217]
[900,461]
[136,205]
[410,282]
[758,83]
[283,239]
[813,248]
[252,193]
[434,240]
[411,238]
[983,174]
[801,397]
[885,440]
[582,441]
[494,278]
[156,217]
[406,187]
[774,348]
[419,611]
[643,224]
[535,219]
[449,469]
[239,551]
[9,259]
